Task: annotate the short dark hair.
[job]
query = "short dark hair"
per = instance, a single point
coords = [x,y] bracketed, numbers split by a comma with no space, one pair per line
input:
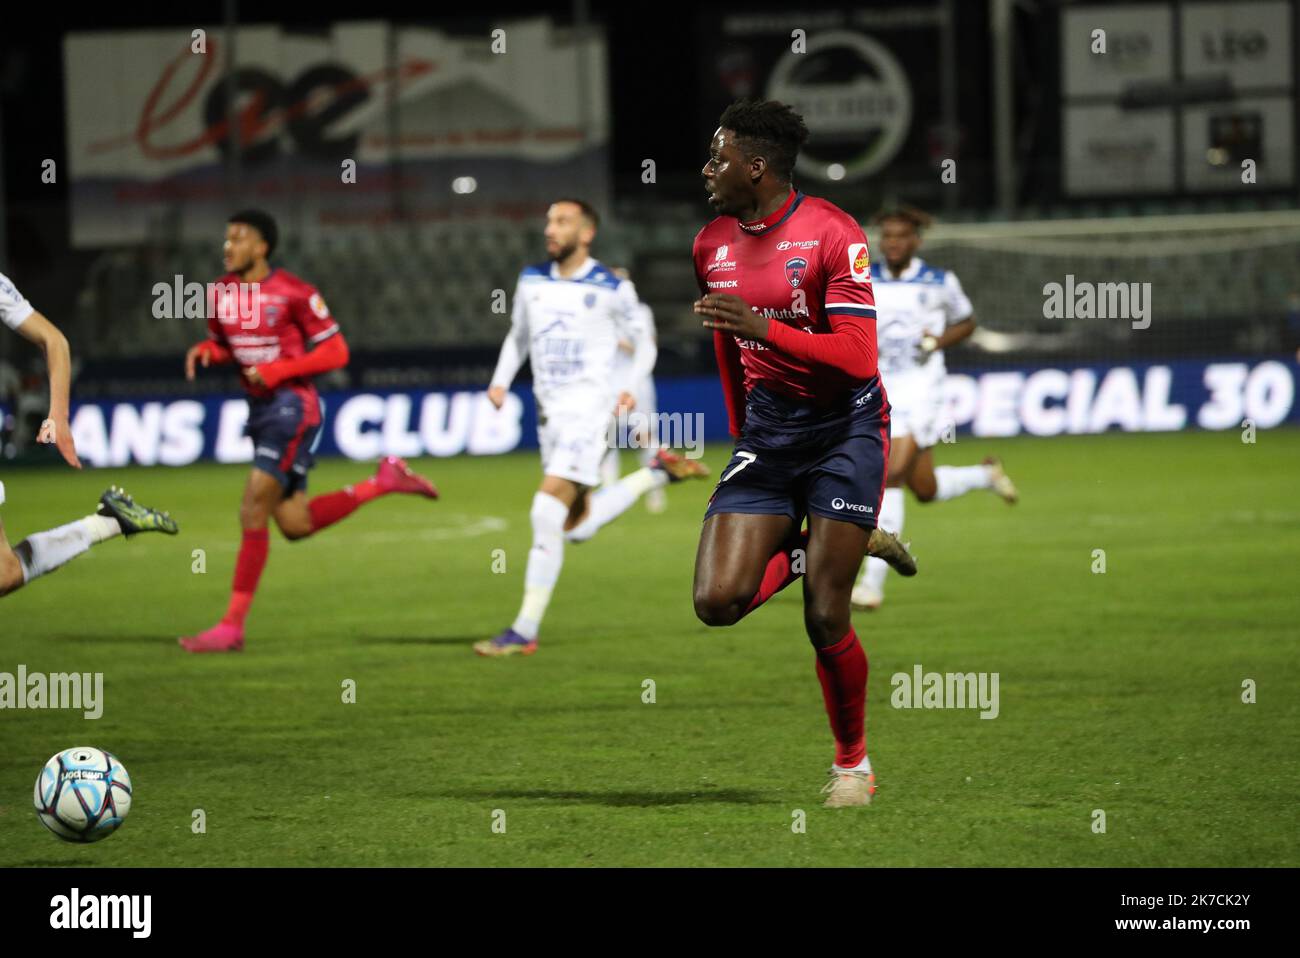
[918,218]
[261,221]
[767,128]
[588,210]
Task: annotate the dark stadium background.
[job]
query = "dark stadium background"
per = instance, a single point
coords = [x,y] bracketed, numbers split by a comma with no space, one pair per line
[668,70]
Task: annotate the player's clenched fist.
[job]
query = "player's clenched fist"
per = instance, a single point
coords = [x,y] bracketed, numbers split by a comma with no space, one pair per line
[731,314]
[497,396]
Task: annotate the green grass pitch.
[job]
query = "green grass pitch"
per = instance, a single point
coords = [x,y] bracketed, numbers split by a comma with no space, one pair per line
[1119,691]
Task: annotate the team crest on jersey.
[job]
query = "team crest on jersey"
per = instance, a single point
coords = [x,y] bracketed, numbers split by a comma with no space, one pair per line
[859,262]
[272,313]
[795,269]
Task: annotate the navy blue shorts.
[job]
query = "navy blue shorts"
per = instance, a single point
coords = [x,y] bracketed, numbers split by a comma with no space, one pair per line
[794,459]
[283,439]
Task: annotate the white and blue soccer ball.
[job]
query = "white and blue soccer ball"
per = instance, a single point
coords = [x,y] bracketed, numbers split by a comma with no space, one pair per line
[83,794]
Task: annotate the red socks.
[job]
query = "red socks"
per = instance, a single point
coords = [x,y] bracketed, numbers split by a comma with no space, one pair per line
[780,570]
[248,570]
[841,668]
[842,671]
[329,508]
[325,511]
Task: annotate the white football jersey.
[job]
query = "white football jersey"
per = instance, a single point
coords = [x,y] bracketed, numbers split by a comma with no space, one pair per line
[920,302]
[570,328]
[14,308]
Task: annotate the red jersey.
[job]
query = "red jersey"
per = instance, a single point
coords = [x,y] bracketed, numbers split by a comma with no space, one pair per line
[280,320]
[806,268]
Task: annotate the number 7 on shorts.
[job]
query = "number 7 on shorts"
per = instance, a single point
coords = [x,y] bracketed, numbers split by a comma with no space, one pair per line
[746,458]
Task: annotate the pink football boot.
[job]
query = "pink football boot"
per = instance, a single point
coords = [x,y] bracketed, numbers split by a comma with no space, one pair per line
[394,475]
[222,637]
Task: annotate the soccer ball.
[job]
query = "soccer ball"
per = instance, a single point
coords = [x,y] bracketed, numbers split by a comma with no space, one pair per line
[83,794]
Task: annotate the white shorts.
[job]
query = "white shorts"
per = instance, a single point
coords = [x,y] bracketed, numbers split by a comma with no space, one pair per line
[573,444]
[916,408]
[2,493]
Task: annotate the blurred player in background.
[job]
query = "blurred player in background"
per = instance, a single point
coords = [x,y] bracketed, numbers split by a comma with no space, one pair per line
[568,316]
[785,283]
[117,515]
[921,310]
[266,319]
[640,429]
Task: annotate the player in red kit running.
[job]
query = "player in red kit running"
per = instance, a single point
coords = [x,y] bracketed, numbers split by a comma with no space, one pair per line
[266,320]
[785,284]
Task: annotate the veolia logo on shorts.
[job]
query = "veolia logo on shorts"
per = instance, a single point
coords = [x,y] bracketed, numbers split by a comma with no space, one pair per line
[855,98]
[838,503]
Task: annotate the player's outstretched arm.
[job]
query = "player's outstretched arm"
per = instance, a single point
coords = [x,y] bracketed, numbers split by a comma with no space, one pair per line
[849,347]
[330,354]
[204,354]
[513,352]
[58,359]
[508,363]
[960,313]
[955,333]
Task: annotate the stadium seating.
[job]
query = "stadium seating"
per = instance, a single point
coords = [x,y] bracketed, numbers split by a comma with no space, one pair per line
[431,284]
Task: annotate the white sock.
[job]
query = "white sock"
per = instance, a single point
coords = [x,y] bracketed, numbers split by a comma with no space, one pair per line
[954,481]
[544,561]
[863,766]
[611,502]
[891,520]
[46,551]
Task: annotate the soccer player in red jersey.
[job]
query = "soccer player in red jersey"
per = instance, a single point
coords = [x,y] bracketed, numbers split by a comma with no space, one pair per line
[785,285]
[265,319]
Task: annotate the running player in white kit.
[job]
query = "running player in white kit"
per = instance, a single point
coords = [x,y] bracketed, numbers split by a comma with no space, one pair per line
[568,316]
[921,310]
[118,514]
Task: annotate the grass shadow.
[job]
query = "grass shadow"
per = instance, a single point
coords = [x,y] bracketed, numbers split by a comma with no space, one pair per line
[465,640]
[615,799]
[114,639]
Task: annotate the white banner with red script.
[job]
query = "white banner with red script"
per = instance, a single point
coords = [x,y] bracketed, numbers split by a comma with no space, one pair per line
[358,124]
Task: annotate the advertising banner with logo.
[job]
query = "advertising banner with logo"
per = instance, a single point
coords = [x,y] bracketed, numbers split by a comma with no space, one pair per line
[1070,399]
[350,125]
[865,81]
[1126,70]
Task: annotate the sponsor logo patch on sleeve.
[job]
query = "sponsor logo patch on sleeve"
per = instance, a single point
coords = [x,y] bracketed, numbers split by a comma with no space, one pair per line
[859,262]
